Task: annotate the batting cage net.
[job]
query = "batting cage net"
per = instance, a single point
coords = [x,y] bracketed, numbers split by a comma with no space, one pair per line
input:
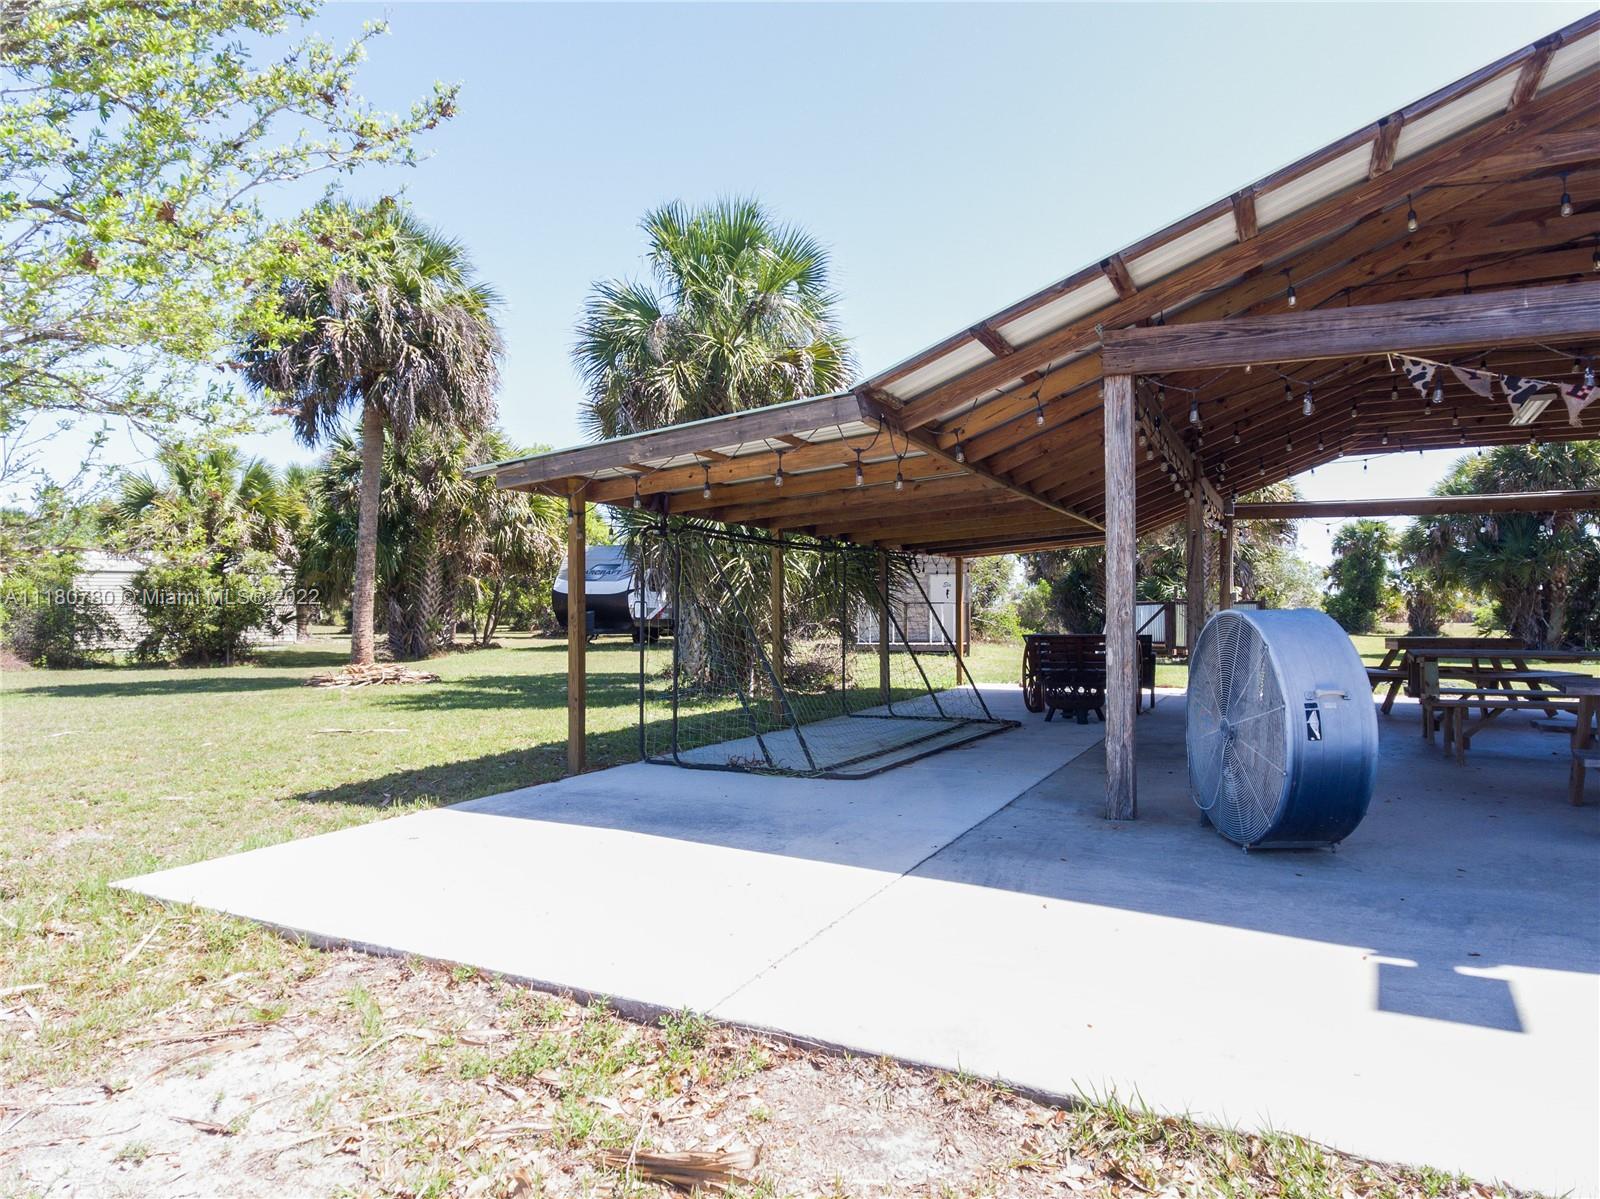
[797,657]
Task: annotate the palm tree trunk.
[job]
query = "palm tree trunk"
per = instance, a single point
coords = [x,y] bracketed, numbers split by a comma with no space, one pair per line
[366,579]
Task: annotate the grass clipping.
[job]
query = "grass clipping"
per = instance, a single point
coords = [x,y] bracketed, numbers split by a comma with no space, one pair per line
[373,675]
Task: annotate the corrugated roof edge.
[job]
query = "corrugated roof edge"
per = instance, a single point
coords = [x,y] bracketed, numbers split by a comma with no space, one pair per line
[486,468]
[1437,98]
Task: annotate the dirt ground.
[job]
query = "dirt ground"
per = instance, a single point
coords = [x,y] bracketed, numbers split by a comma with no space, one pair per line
[396,1077]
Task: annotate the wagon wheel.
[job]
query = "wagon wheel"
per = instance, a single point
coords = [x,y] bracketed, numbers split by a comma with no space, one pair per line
[1032,688]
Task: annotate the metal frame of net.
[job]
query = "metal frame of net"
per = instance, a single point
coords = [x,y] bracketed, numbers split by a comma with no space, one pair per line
[833,708]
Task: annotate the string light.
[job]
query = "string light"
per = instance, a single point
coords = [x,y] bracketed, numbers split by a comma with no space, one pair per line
[1386,437]
[1588,374]
[1288,393]
[899,478]
[1319,443]
[777,479]
[961,454]
[1194,410]
[860,478]
[705,487]
[1038,409]
[1236,437]
[1566,196]
[1411,215]
[1394,394]
[636,493]
[1261,467]
[1306,404]
[1437,396]
[1290,296]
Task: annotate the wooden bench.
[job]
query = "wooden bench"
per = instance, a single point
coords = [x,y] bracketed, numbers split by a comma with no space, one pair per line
[1447,709]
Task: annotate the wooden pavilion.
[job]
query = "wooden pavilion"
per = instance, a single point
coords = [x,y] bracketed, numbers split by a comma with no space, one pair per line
[1248,342]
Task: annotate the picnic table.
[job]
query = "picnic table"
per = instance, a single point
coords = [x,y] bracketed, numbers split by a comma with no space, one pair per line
[1399,665]
[1452,683]
[1585,751]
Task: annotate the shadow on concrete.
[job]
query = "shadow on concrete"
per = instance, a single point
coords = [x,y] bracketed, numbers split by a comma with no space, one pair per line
[1457,869]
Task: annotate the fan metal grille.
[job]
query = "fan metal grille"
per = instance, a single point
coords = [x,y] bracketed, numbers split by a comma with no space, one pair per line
[1238,735]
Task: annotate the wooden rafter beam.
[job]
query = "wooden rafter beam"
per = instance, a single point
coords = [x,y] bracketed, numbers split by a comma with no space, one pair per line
[985,335]
[929,444]
[1383,146]
[1532,73]
[1427,505]
[1117,271]
[1568,310]
[1244,213]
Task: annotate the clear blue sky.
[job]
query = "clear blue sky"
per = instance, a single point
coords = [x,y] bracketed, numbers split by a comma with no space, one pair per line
[954,157]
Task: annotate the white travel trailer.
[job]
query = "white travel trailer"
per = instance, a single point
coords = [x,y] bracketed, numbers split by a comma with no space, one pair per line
[614,595]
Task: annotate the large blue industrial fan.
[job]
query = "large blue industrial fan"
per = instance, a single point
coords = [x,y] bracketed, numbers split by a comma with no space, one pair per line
[1282,736]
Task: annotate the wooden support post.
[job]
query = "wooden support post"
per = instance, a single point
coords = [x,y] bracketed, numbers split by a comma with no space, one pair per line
[883,624]
[1122,647]
[577,633]
[959,633]
[1225,582]
[779,638]
[1196,555]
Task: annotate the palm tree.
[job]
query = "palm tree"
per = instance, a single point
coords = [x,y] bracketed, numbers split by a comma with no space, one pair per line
[443,537]
[739,315]
[401,332]
[210,497]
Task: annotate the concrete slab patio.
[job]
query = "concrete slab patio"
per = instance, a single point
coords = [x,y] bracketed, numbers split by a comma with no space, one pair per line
[1429,993]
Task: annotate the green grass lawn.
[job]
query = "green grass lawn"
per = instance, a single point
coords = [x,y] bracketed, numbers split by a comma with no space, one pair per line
[117,771]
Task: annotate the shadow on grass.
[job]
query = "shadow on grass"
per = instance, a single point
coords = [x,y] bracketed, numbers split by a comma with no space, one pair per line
[474,778]
[197,681]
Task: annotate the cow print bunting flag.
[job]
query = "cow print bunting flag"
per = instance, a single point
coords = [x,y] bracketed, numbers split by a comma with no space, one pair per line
[1418,373]
[1479,383]
[1519,390]
[1577,397]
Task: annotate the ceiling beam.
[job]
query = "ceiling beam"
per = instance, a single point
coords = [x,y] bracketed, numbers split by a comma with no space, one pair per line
[1413,326]
[1427,505]
[930,445]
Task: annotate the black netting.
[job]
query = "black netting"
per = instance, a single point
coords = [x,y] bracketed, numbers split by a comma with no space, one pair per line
[837,705]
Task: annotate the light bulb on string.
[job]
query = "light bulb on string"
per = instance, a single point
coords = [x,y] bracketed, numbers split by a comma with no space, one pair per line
[1385,437]
[777,479]
[1437,395]
[961,454]
[1306,404]
[1566,196]
[636,493]
[899,478]
[1194,410]
[860,478]
[1236,437]
[1038,409]
[705,486]
[1411,215]
[1289,296]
